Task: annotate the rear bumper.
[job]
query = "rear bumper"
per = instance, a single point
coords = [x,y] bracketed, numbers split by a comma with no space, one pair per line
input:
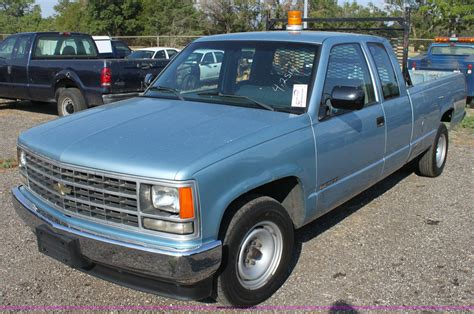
[178,274]
[109,98]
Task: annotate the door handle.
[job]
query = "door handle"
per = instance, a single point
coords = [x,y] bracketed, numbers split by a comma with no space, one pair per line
[380,121]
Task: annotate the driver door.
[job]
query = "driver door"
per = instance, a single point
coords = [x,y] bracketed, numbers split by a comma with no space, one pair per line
[350,143]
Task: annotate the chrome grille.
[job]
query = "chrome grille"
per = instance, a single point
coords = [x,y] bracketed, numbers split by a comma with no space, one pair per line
[82,192]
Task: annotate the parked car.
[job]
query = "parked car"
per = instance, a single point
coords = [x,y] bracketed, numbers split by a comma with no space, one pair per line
[449,54]
[196,191]
[111,48]
[66,68]
[154,53]
[201,67]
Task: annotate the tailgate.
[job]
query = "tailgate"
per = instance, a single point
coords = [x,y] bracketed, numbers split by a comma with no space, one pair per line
[128,75]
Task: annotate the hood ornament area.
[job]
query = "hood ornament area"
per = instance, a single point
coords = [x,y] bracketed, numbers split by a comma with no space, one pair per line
[61,189]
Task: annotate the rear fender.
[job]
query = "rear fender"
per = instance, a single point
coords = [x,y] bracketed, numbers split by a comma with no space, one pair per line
[65,79]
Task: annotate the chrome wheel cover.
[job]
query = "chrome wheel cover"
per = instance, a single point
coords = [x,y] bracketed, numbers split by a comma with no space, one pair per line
[259,255]
[441,150]
[67,106]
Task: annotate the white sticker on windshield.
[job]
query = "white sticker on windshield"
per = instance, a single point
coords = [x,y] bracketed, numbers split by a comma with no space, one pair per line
[299,95]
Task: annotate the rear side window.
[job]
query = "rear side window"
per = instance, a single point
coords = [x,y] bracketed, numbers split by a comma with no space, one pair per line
[171,53]
[59,46]
[160,54]
[208,58]
[346,67]
[219,56]
[6,47]
[385,70]
[121,48]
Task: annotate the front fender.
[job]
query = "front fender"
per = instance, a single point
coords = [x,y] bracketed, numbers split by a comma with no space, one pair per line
[221,183]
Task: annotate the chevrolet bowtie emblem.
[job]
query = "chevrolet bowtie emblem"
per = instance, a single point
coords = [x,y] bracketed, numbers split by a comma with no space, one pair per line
[62,189]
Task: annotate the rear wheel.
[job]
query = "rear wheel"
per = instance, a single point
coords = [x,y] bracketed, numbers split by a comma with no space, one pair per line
[470,102]
[70,100]
[432,163]
[258,246]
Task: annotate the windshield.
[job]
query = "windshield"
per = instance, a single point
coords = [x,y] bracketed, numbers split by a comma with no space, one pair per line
[265,75]
[141,54]
[452,50]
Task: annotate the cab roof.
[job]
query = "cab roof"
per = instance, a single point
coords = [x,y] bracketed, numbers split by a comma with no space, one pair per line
[303,36]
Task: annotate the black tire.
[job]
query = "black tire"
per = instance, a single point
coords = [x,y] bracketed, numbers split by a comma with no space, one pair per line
[429,165]
[258,215]
[70,100]
[470,102]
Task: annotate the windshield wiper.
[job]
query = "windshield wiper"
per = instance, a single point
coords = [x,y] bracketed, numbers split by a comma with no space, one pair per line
[167,89]
[262,105]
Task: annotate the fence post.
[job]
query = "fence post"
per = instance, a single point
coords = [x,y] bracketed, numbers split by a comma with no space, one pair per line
[158,41]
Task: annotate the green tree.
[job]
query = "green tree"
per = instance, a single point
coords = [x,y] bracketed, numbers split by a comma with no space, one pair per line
[19,16]
[226,16]
[114,17]
[431,18]
[168,17]
[71,16]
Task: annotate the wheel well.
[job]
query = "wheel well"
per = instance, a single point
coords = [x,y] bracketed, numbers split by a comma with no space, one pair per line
[62,84]
[447,116]
[287,191]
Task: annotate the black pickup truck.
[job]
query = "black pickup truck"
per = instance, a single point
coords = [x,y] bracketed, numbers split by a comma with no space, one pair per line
[66,68]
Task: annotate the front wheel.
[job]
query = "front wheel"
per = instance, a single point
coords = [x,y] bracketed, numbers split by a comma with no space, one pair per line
[70,100]
[432,163]
[258,246]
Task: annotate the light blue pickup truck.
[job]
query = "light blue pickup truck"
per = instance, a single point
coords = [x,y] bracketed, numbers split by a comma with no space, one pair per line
[196,188]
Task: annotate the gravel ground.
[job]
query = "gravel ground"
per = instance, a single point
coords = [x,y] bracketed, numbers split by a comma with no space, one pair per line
[407,241]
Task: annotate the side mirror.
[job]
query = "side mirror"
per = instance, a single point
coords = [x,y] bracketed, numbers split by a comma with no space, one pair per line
[148,79]
[347,98]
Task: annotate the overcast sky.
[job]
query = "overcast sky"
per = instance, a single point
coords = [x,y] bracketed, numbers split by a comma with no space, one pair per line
[47,6]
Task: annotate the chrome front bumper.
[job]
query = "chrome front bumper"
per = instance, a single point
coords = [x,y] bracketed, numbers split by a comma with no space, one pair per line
[176,267]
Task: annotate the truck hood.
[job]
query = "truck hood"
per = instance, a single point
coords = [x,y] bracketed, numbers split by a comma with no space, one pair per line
[154,138]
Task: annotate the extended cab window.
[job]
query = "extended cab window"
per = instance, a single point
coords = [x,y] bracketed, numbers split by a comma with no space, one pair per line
[385,71]
[65,46]
[6,48]
[346,67]
[267,75]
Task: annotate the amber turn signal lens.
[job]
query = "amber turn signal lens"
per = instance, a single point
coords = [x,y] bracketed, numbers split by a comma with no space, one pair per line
[186,203]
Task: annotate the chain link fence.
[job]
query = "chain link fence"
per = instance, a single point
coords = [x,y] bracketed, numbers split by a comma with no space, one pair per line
[417,45]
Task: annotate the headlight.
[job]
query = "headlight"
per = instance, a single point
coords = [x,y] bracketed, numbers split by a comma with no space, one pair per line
[165,198]
[21,158]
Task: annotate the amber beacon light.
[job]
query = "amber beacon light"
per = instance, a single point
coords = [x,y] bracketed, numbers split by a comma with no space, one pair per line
[295,21]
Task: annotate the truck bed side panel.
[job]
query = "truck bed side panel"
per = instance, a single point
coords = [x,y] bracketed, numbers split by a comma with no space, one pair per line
[431,99]
[45,74]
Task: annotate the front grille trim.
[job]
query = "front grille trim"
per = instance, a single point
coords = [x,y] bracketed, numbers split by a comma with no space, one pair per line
[137,180]
[106,205]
